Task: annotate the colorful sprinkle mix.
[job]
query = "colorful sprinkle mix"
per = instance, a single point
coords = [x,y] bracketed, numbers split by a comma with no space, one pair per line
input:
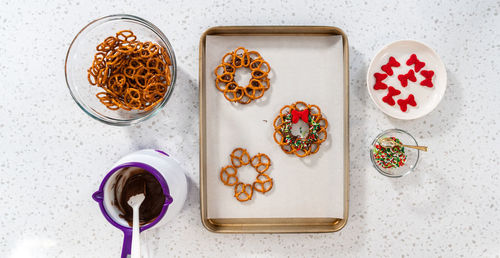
[298,142]
[394,157]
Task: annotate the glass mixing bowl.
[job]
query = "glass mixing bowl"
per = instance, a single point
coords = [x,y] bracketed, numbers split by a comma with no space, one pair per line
[81,54]
[411,154]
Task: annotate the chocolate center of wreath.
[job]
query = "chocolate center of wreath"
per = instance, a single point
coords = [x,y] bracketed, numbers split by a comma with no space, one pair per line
[300,129]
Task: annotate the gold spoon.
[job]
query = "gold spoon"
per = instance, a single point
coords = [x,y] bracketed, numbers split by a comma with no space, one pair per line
[389,142]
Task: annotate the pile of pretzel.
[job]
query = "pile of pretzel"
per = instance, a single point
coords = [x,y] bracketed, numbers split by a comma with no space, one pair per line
[293,144]
[242,191]
[225,73]
[133,74]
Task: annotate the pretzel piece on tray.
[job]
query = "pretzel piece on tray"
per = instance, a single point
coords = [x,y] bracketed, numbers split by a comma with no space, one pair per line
[243,192]
[239,157]
[263,183]
[260,162]
[228,175]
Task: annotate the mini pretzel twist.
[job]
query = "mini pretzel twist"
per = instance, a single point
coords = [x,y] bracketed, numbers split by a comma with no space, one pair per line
[229,174]
[260,162]
[257,85]
[293,144]
[239,157]
[241,193]
[263,183]
[132,74]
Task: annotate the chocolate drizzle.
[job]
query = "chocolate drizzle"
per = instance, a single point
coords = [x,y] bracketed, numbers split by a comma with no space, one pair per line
[132,181]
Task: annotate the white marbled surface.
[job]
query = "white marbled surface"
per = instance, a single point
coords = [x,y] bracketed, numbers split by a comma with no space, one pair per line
[53,156]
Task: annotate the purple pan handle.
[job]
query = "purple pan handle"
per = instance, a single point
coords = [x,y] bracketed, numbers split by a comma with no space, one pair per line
[97,196]
[127,234]
[127,243]
[162,152]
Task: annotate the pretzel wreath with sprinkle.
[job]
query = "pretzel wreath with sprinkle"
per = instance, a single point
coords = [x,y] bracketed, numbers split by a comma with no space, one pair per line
[242,191]
[225,73]
[132,74]
[296,144]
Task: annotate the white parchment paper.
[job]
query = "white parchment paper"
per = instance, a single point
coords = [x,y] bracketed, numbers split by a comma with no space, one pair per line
[306,68]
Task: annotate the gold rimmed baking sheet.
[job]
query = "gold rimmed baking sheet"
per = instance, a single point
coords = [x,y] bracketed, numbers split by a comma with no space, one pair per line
[215,214]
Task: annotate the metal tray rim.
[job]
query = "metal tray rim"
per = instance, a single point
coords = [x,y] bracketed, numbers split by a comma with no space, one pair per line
[272,225]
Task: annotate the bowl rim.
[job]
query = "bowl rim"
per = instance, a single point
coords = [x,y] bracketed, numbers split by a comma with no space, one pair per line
[439,63]
[158,107]
[375,164]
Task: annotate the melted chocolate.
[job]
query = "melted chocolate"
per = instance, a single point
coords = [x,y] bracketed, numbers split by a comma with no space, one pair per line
[134,181]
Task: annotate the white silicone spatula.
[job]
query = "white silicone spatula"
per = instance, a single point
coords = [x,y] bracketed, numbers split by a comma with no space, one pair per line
[135,202]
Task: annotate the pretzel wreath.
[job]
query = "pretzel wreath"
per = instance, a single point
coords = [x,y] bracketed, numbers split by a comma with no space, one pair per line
[257,85]
[293,144]
[242,191]
[133,74]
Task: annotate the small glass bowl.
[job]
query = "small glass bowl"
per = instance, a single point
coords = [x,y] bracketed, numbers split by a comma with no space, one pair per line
[81,53]
[411,154]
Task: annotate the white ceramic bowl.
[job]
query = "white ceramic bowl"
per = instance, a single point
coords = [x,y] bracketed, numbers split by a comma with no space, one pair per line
[427,98]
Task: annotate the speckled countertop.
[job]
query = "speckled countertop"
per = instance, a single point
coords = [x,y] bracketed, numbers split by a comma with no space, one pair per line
[53,156]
